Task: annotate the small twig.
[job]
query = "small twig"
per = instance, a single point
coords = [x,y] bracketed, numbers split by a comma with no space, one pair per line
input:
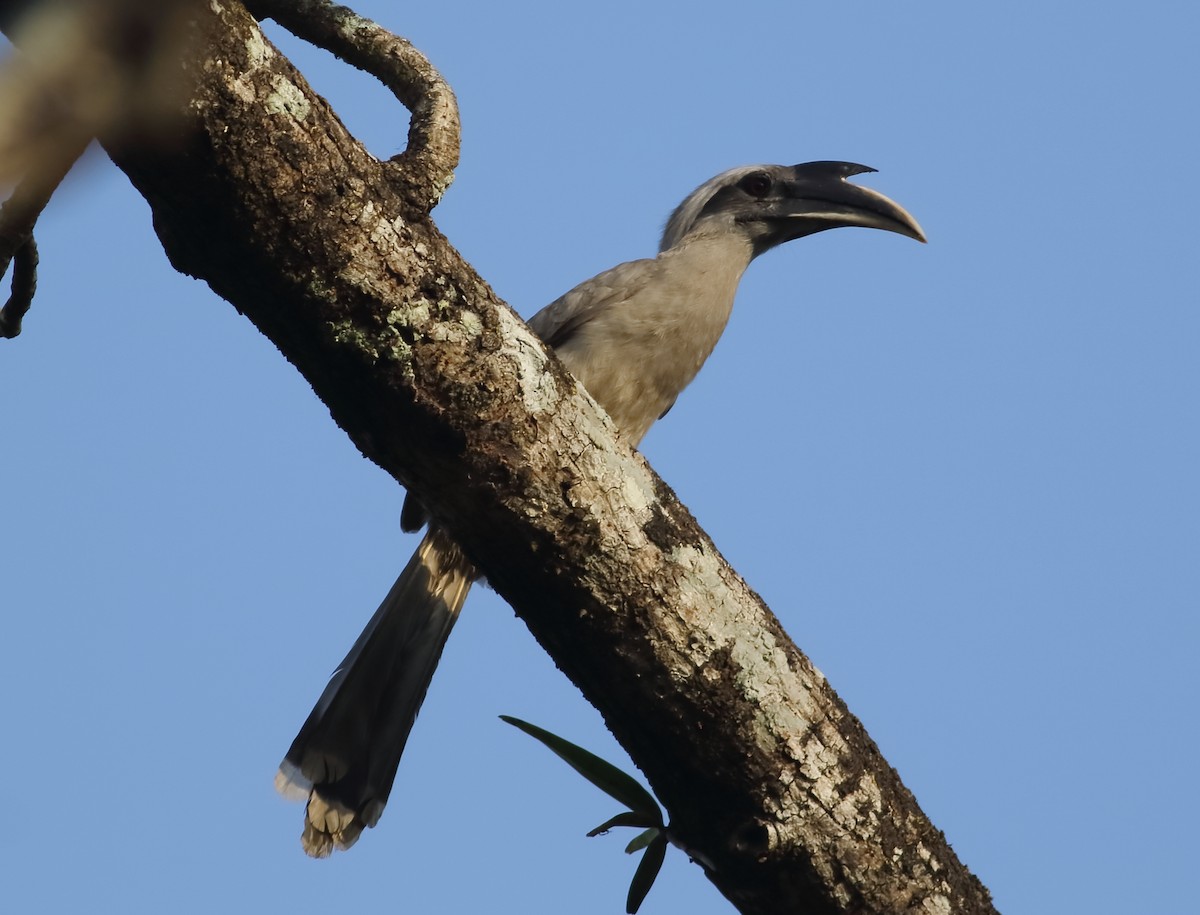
[425,169]
[24,284]
[18,215]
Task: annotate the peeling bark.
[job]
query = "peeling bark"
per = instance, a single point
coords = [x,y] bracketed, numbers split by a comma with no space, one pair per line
[771,783]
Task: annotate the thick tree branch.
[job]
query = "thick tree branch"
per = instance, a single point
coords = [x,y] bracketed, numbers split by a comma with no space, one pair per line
[768,778]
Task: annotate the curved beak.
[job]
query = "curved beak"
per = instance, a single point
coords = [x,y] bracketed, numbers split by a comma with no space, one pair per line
[818,197]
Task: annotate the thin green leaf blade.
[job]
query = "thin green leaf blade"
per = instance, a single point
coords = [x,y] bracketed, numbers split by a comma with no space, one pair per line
[604,775]
[647,871]
[628,818]
[641,840]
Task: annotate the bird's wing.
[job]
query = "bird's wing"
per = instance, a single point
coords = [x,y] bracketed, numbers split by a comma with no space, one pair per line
[563,318]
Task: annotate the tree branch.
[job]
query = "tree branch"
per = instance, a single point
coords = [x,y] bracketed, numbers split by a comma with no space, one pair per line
[426,167]
[770,781]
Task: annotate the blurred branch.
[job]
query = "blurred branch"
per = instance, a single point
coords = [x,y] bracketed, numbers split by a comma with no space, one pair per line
[87,68]
[84,68]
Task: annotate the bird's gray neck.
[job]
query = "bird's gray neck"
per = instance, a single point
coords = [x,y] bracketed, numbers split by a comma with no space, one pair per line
[716,245]
[650,325]
[685,314]
[704,269]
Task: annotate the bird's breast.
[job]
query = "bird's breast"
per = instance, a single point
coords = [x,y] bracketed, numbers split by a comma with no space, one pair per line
[637,356]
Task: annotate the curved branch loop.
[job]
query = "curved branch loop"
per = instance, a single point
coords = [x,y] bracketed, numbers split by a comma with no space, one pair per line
[426,167]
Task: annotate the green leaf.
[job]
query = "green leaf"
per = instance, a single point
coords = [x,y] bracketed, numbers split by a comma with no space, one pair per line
[642,839]
[628,818]
[604,775]
[647,871]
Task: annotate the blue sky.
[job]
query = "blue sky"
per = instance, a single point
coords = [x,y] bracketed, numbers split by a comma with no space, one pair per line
[964,475]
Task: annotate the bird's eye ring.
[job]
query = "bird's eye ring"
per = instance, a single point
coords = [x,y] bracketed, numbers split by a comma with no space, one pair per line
[756,184]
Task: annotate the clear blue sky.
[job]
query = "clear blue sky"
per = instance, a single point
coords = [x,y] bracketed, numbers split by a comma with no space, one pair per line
[964,475]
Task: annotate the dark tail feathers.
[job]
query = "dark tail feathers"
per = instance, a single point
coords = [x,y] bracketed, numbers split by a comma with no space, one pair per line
[344,759]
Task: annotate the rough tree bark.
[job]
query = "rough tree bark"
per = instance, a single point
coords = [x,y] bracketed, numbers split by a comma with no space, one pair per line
[771,783]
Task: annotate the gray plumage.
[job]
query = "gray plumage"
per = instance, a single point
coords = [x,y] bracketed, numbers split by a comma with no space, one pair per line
[635,336]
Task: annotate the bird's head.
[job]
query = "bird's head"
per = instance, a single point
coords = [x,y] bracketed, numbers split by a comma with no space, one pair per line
[772,204]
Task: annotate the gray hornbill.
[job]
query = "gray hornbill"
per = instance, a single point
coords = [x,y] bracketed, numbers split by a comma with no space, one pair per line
[634,336]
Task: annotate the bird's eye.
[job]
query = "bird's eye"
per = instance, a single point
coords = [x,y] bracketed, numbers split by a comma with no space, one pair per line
[756,184]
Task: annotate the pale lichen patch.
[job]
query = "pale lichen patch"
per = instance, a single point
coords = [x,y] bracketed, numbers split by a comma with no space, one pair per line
[927,856]
[350,23]
[860,809]
[441,185]
[286,98]
[319,288]
[815,762]
[348,334]
[936,905]
[538,390]
[244,90]
[471,322]
[638,496]
[258,50]
[454,332]
[258,53]
[411,314]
